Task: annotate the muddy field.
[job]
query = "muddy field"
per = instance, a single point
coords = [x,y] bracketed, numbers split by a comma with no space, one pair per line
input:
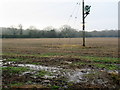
[61,63]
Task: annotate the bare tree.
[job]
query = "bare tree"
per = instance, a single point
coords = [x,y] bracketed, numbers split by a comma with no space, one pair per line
[32,31]
[14,30]
[21,29]
[49,28]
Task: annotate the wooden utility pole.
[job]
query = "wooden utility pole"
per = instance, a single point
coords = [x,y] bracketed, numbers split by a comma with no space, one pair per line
[83,17]
[85,12]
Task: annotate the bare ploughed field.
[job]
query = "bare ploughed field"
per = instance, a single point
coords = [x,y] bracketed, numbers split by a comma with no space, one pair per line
[60,63]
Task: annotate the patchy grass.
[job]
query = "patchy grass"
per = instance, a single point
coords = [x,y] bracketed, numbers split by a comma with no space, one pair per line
[88,58]
[78,64]
[55,87]
[16,84]
[36,63]
[52,54]
[43,73]
[92,74]
[101,59]
[98,64]
[107,66]
[37,55]
[14,70]
[14,59]
[70,45]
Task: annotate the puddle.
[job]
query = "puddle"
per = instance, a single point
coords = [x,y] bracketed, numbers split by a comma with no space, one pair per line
[1,63]
[72,75]
[113,72]
[39,67]
[76,76]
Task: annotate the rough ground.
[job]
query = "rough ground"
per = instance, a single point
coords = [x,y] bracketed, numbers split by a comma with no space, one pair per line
[60,63]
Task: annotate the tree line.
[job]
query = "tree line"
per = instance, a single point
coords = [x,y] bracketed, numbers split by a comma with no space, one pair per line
[49,32]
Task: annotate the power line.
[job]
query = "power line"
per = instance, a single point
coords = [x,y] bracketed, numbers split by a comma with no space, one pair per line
[72,14]
[76,15]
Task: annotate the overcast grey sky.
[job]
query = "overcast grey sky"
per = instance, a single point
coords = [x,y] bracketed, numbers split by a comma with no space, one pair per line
[43,13]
